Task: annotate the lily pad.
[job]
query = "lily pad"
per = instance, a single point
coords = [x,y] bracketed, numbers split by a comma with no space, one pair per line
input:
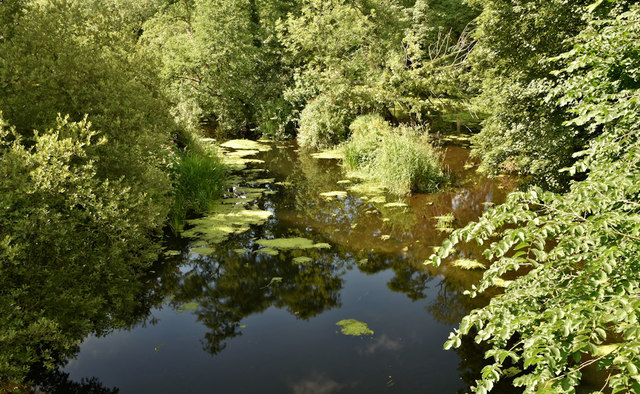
[468,264]
[322,245]
[172,253]
[240,251]
[344,181]
[354,328]
[286,243]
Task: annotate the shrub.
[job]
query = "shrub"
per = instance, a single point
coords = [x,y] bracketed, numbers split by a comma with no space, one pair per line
[323,123]
[400,159]
[72,248]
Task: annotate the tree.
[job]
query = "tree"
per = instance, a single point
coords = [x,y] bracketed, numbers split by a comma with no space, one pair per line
[575,302]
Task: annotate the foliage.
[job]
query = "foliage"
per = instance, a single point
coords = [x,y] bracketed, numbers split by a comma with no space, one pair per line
[72,245]
[577,302]
[525,133]
[221,61]
[401,159]
[80,57]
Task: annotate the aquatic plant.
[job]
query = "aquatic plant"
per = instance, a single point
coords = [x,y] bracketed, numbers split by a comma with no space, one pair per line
[354,328]
[198,179]
[399,159]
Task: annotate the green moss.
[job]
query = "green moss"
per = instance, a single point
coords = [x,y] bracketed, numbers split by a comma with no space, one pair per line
[354,328]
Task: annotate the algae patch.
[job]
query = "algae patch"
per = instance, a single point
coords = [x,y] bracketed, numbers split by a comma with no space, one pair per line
[354,328]
[302,260]
[341,194]
[468,264]
[290,243]
[335,154]
[246,145]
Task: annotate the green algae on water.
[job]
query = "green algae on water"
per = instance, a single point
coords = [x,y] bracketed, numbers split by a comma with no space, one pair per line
[330,154]
[268,251]
[468,264]
[246,144]
[341,194]
[302,260]
[354,328]
[287,243]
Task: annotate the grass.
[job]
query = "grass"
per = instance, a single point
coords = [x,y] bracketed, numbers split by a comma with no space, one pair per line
[198,179]
[398,158]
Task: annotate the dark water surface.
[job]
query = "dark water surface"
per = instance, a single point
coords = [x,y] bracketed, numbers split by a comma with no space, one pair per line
[245,322]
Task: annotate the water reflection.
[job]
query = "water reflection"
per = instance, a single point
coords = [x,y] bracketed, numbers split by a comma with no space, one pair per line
[370,241]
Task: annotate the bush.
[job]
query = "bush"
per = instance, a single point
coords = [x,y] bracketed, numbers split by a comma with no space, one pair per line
[72,248]
[198,179]
[323,123]
[400,159]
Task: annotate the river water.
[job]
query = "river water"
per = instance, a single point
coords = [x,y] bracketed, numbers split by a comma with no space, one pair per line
[234,320]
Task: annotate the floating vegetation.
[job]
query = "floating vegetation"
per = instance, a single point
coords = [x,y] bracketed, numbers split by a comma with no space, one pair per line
[395,205]
[261,181]
[385,237]
[238,163]
[223,221]
[274,280]
[246,145]
[330,154]
[240,251]
[468,264]
[354,328]
[302,260]
[445,223]
[189,306]
[172,253]
[242,153]
[341,194]
[322,245]
[290,243]
[344,181]
[268,251]
[285,183]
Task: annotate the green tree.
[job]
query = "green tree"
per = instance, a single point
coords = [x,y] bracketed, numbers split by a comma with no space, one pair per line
[578,302]
[72,247]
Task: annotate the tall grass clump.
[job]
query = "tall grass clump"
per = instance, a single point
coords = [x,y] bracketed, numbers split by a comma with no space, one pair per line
[198,179]
[397,158]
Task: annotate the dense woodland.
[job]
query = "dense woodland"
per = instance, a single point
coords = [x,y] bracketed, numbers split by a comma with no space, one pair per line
[103,106]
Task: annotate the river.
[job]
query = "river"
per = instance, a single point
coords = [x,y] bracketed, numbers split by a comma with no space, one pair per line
[247,316]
